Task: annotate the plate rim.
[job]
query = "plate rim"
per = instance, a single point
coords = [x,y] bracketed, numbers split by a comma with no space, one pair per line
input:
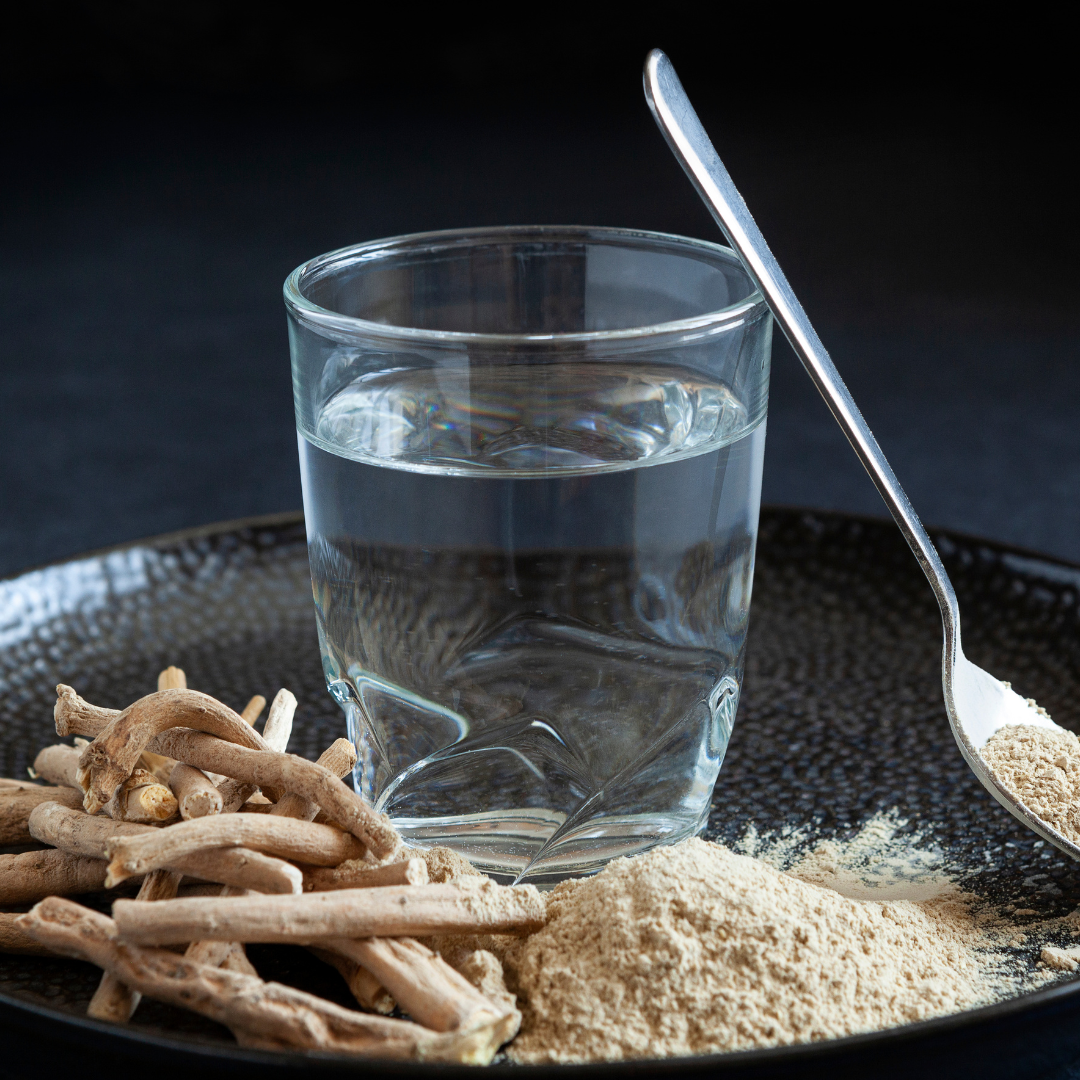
[130,1038]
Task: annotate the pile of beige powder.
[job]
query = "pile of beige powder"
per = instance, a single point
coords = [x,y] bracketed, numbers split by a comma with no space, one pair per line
[695,949]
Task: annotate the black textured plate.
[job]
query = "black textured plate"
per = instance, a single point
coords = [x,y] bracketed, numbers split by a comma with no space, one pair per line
[841,716]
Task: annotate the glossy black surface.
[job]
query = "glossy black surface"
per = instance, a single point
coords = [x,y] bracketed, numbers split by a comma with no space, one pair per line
[841,716]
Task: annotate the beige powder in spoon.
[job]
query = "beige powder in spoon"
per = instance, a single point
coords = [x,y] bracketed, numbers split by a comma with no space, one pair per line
[1041,767]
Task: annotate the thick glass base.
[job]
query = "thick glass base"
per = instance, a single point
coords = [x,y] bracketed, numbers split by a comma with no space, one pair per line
[523,803]
[509,845]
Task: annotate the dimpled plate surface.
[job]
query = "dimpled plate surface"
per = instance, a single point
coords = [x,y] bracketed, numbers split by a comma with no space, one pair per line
[841,716]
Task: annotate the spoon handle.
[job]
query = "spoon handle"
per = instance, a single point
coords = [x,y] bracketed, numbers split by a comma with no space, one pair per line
[689,143]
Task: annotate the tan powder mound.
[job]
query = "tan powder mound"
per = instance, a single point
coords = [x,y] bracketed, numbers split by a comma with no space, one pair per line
[1041,767]
[692,949]
[444,864]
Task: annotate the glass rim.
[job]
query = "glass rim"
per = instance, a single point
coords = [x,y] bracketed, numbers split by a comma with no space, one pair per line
[320,318]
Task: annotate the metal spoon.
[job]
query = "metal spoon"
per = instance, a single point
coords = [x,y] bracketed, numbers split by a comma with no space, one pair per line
[977,703]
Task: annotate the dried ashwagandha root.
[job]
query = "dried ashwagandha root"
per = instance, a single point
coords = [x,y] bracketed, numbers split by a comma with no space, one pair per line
[278,727]
[113,1000]
[33,875]
[74,716]
[261,768]
[425,986]
[468,906]
[260,1015]
[15,941]
[17,804]
[80,834]
[253,709]
[339,758]
[115,751]
[287,773]
[141,797]
[364,987]
[356,874]
[196,794]
[59,764]
[172,678]
[226,954]
[322,845]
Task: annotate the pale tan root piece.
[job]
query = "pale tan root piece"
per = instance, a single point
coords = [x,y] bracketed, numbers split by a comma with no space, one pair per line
[356,874]
[142,798]
[195,792]
[226,954]
[15,941]
[263,1015]
[286,773]
[278,726]
[74,716]
[249,714]
[33,875]
[363,986]
[472,905]
[59,765]
[321,845]
[236,959]
[16,805]
[81,834]
[253,709]
[113,1000]
[234,794]
[115,751]
[172,678]
[426,986]
[339,757]
[7,782]
[158,765]
[232,791]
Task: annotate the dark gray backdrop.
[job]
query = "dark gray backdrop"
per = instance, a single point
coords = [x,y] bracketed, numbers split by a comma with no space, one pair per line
[151,213]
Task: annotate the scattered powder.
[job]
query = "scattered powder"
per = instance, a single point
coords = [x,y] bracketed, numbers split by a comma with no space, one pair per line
[1040,767]
[694,949]
[884,860]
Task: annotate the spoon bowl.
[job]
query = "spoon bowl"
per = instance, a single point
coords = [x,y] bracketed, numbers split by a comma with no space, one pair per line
[977,703]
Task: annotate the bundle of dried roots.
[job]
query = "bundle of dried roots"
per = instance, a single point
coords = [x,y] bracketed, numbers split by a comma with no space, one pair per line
[216,822]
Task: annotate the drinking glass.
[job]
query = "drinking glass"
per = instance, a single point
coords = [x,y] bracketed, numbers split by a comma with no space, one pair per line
[531,462]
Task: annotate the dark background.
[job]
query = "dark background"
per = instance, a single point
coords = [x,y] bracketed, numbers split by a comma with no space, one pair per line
[167,169]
